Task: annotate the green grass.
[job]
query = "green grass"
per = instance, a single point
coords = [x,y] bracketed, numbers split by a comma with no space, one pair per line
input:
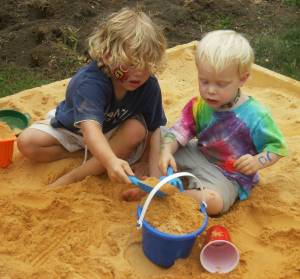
[14,79]
[223,22]
[216,22]
[280,51]
[277,50]
[292,3]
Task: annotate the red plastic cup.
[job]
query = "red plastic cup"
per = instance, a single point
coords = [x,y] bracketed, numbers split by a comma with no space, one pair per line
[6,151]
[219,254]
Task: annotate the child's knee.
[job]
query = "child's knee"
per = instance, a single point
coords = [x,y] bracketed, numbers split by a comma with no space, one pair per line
[214,202]
[137,131]
[24,143]
[212,198]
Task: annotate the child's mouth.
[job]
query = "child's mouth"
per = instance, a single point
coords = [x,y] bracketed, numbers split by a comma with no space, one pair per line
[135,82]
[211,101]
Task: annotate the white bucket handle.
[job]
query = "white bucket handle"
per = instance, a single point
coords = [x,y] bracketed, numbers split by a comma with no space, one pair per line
[158,186]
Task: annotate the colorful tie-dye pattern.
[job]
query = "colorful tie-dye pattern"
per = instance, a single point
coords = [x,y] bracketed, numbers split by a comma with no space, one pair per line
[225,136]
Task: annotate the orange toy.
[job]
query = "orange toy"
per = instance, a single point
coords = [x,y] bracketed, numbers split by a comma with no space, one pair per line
[6,151]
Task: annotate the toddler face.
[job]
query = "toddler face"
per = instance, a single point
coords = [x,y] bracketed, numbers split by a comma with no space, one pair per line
[129,77]
[218,88]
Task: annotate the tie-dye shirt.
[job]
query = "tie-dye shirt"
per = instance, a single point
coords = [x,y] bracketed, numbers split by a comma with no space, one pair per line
[224,136]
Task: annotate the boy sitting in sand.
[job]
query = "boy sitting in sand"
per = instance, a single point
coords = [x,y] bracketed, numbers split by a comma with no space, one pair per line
[235,135]
[112,105]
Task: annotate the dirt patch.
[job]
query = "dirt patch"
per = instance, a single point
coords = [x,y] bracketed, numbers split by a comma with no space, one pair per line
[50,36]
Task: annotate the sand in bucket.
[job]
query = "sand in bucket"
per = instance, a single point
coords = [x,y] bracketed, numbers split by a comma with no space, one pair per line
[171,225]
[167,188]
[175,214]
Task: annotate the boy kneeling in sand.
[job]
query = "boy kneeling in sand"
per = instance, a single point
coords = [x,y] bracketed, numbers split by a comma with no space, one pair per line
[223,136]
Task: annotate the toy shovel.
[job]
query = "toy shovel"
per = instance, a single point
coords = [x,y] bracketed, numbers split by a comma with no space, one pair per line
[143,186]
[171,188]
[176,181]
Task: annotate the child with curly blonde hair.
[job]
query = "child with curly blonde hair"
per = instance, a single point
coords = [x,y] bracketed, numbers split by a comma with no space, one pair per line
[112,105]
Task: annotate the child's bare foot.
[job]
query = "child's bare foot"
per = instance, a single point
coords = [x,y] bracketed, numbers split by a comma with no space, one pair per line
[62,181]
[134,194]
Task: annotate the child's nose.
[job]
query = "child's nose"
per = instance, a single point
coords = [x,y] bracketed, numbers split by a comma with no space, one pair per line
[211,89]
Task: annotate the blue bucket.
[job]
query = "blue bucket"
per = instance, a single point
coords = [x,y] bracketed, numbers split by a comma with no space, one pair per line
[162,248]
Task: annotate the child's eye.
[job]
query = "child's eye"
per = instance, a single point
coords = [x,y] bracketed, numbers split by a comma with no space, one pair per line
[222,84]
[132,66]
[204,81]
[126,67]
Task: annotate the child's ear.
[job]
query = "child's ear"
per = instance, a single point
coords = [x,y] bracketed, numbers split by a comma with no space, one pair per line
[244,78]
[105,58]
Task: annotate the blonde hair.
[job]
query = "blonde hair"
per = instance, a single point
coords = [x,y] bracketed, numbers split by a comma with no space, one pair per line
[128,37]
[223,48]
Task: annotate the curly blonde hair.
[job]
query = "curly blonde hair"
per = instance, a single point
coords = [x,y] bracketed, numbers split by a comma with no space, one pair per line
[128,37]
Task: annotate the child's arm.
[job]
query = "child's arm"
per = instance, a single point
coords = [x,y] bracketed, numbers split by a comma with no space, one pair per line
[249,164]
[168,147]
[117,169]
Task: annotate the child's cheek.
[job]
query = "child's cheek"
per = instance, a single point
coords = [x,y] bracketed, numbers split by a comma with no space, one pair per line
[120,74]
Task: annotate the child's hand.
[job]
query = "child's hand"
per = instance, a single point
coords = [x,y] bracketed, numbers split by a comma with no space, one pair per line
[167,159]
[247,164]
[118,170]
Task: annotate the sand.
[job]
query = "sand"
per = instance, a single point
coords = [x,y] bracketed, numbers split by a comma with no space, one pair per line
[85,230]
[175,214]
[5,131]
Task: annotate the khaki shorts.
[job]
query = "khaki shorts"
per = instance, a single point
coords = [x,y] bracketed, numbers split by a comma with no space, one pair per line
[189,158]
[74,142]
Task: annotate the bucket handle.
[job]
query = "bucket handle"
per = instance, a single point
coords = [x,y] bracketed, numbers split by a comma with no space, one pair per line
[158,186]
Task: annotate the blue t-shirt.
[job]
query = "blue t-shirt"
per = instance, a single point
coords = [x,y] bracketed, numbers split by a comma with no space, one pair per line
[90,96]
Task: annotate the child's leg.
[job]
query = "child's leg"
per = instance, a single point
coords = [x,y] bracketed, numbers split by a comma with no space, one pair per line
[127,138]
[41,147]
[90,167]
[212,198]
[124,141]
[135,194]
[154,153]
[219,193]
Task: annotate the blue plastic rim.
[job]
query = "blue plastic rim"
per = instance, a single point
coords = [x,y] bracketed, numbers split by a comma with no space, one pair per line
[164,249]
